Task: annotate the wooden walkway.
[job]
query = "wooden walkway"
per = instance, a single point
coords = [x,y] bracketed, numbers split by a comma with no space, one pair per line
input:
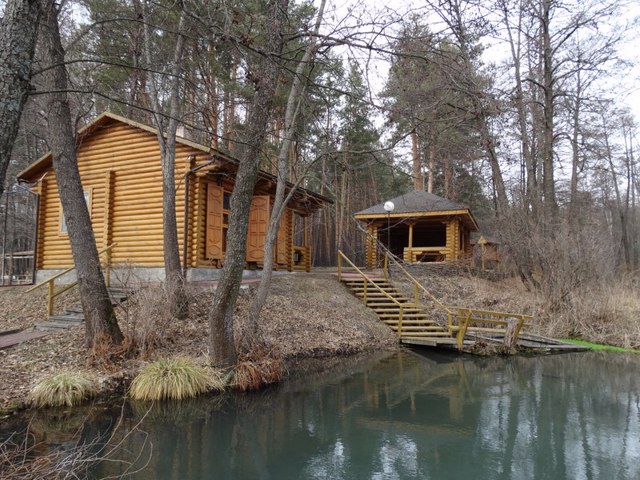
[11,338]
[459,328]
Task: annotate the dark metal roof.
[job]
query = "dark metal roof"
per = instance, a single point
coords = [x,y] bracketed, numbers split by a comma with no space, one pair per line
[417,201]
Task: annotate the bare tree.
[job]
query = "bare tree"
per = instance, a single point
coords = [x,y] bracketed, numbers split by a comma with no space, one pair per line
[101,323]
[294,101]
[18,36]
[166,128]
[265,77]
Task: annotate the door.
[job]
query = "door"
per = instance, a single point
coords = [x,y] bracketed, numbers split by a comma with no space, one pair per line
[258,224]
[213,236]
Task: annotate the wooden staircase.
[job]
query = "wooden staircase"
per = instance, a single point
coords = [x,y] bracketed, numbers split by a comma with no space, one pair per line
[73,316]
[408,320]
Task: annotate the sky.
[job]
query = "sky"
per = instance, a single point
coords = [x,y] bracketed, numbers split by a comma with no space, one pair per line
[625,88]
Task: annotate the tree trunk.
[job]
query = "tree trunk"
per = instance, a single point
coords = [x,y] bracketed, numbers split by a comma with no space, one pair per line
[101,323]
[548,182]
[531,192]
[222,342]
[18,35]
[279,204]
[575,154]
[418,178]
[174,279]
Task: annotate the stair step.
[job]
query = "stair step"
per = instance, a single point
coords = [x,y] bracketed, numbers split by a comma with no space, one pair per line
[405,313]
[69,319]
[73,310]
[414,323]
[411,321]
[418,328]
[383,293]
[440,338]
[375,305]
[381,296]
[369,284]
[376,287]
[434,333]
[360,290]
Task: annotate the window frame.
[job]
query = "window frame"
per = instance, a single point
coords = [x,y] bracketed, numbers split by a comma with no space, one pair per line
[62,223]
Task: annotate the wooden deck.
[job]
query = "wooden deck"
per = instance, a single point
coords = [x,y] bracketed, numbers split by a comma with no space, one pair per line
[526,342]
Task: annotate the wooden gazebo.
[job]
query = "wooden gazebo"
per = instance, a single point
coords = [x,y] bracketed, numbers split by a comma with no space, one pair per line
[419,227]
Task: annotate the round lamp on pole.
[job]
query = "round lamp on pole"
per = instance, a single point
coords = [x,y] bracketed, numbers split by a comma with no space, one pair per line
[388,207]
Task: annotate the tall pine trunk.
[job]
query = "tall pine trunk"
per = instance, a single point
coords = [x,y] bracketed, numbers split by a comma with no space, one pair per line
[296,94]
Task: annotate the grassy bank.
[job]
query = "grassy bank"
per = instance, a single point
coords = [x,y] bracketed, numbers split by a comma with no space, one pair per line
[600,346]
[306,316]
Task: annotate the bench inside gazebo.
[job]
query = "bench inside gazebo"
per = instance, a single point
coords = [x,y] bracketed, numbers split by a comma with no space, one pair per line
[419,227]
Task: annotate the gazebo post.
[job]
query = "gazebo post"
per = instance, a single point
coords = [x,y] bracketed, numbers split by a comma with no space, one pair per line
[410,246]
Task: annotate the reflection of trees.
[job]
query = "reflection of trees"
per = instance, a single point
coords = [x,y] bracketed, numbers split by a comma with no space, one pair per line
[566,416]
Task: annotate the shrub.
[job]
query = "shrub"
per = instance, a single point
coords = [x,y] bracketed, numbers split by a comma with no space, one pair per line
[65,388]
[258,367]
[174,378]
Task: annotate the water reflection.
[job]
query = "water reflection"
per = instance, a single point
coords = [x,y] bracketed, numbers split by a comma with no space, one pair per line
[573,416]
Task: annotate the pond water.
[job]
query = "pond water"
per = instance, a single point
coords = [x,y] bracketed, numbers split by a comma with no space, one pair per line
[404,416]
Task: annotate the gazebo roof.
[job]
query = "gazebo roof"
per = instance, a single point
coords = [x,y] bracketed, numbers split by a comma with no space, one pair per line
[417,201]
[419,204]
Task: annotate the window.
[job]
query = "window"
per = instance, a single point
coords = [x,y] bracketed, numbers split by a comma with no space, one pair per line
[63,222]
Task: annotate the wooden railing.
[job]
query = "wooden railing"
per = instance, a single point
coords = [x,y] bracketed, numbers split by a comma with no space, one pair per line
[421,254]
[462,321]
[367,281]
[471,321]
[51,281]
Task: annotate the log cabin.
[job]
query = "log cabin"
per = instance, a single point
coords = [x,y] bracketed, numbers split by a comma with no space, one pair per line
[119,164]
[419,227]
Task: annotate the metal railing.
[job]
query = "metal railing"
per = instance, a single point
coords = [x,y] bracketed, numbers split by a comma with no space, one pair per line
[50,282]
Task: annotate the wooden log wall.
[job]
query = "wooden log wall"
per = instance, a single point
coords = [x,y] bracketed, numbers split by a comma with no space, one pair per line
[453,239]
[120,167]
[371,247]
[121,171]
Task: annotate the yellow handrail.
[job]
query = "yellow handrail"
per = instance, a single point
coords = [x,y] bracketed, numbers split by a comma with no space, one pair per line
[365,276]
[401,306]
[465,317]
[416,284]
[50,282]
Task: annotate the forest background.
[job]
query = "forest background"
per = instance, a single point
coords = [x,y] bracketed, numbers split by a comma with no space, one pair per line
[540,142]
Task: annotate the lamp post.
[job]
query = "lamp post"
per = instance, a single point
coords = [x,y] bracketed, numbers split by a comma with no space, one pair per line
[389,207]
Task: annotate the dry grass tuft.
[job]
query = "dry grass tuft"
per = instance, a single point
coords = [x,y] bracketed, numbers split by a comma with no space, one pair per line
[260,366]
[63,389]
[174,378]
[146,319]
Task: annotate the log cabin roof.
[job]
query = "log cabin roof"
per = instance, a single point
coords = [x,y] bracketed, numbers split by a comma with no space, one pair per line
[419,203]
[216,159]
